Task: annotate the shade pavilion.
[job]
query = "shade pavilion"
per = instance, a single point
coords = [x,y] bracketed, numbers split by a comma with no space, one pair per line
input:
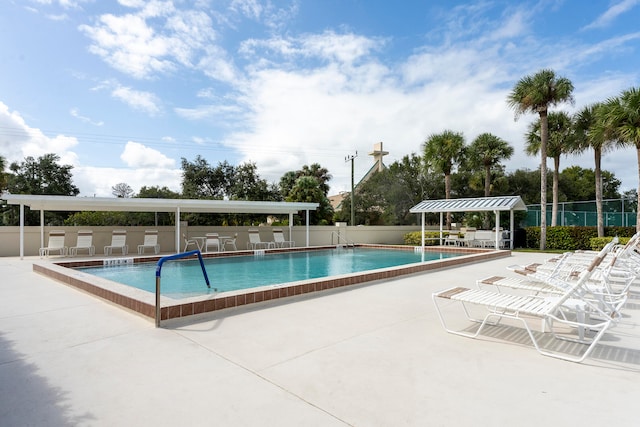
[478,204]
[177,206]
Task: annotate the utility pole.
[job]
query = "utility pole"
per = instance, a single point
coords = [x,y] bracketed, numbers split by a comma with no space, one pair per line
[353,196]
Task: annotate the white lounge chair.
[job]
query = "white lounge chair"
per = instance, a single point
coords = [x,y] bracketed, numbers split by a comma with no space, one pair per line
[603,288]
[212,240]
[118,241]
[55,244]
[569,310]
[84,242]
[279,240]
[150,241]
[255,242]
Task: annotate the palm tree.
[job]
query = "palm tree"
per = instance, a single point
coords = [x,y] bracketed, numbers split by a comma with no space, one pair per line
[488,150]
[534,94]
[592,133]
[560,142]
[621,116]
[3,165]
[442,152]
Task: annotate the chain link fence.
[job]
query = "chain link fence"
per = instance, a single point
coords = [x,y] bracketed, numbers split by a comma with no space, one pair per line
[616,213]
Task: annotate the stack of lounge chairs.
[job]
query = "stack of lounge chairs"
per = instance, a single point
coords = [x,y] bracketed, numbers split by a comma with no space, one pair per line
[577,296]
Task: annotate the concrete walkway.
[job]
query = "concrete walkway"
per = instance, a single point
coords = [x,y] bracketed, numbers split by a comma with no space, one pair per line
[373,355]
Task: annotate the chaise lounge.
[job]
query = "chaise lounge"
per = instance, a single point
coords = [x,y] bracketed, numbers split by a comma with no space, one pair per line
[150,241]
[118,241]
[84,242]
[55,244]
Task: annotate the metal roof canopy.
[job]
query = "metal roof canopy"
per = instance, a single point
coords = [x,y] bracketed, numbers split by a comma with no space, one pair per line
[500,203]
[71,203]
[478,204]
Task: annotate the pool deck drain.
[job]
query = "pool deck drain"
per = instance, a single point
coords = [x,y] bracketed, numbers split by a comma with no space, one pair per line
[143,302]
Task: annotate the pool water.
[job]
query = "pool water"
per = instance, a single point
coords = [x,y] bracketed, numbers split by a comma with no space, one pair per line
[182,279]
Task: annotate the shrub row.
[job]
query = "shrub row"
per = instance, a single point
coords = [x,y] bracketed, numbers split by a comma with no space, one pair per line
[431,238]
[576,238]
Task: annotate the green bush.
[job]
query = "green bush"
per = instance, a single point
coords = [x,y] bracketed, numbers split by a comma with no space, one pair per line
[430,238]
[573,238]
[597,243]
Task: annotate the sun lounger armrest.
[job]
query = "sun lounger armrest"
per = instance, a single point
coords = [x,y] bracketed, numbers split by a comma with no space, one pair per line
[448,293]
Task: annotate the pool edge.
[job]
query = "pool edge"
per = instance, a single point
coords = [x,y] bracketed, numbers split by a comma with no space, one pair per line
[143,303]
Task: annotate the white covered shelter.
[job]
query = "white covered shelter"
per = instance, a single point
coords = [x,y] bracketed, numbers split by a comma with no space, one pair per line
[478,204]
[78,204]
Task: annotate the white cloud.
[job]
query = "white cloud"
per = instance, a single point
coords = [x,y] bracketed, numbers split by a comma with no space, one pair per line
[607,18]
[138,100]
[74,112]
[136,155]
[98,181]
[158,39]
[18,140]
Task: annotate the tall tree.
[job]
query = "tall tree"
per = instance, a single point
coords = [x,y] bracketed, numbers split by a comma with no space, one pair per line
[561,141]
[200,180]
[487,151]
[443,152]
[315,170]
[42,176]
[308,189]
[535,94]
[3,179]
[591,133]
[622,117]
[122,190]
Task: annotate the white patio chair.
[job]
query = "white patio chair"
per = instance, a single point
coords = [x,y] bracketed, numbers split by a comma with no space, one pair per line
[55,244]
[150,241]
[569,310]
[84,242]
[118,241]
[188,242]
[231,242]
[452,239]
[212,240]
[279,240]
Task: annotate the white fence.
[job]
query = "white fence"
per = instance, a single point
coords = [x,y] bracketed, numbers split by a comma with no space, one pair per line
[318,236]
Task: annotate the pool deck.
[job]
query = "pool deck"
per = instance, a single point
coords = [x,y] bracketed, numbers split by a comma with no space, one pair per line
[369,355]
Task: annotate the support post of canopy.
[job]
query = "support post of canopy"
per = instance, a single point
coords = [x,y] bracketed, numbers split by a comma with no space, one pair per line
[21,230]
[291,226]
[307,222]
[511,224]
[42,228]
[177,236]
[441,227]
[422,233]
[497,229]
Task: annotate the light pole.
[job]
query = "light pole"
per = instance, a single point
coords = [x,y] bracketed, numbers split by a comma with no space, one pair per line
[353,216]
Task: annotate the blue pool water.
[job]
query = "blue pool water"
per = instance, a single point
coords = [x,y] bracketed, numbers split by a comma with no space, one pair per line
[184,278]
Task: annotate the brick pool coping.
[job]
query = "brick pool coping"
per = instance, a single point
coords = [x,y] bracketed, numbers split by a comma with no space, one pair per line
[143,302]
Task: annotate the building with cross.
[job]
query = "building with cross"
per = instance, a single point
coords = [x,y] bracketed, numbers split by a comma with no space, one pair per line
[378,166]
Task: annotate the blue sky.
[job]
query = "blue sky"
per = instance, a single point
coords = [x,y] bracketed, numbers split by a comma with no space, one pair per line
[123,90]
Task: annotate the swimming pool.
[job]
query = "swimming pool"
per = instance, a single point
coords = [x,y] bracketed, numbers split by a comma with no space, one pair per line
[182,279]
[143,302]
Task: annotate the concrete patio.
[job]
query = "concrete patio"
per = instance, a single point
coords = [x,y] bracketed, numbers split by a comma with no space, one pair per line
[371,355]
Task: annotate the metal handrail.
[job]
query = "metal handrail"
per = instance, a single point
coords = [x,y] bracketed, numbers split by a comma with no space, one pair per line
[159,271]
[347,241]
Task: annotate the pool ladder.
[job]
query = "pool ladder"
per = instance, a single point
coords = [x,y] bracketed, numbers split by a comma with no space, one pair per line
[347,243]
[159,272]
